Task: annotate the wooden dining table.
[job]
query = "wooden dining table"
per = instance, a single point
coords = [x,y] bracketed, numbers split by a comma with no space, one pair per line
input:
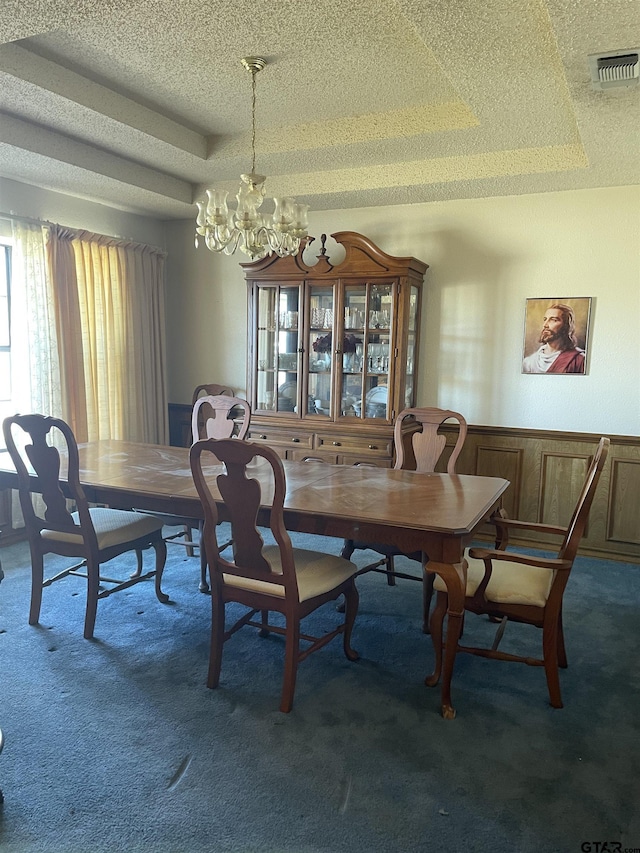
[437,514]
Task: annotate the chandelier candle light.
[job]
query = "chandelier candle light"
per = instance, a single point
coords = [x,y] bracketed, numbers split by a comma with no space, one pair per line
[256,234]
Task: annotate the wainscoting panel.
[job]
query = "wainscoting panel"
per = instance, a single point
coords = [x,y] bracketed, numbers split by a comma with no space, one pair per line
[562,479]
[505,462]
[624,506]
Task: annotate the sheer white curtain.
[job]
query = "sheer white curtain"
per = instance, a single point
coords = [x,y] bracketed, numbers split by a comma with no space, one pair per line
[35,364]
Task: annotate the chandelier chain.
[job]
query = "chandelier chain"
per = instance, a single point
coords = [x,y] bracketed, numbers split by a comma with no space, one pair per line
[256,234]
[253,120]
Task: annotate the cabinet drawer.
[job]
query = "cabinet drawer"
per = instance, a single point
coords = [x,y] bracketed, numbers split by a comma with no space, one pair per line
[313,456]
[276,438]
[363,446]
[361,459]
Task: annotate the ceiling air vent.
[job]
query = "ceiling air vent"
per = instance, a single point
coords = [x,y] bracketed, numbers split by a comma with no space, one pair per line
[614,69]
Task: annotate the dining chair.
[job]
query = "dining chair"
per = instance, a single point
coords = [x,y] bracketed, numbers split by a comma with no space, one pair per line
[185,536]
[212,416]
[426,447]
[264,578]
[94,534]
[510,586]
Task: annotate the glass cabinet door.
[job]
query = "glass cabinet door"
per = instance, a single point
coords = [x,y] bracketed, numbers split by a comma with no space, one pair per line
[366,357]
[409,383]
[320,350]
[278,348]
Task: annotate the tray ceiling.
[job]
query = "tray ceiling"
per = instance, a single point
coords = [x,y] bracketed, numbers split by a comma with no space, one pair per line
[141,104]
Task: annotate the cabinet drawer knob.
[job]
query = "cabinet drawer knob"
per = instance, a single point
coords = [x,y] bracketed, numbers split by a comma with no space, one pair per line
[372,447]
[336,443]
[262,436]
[295,440]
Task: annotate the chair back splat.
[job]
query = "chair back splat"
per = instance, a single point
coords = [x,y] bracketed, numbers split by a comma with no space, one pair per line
[427,443]
[515,587]
[248,479]
[215,416]
[95,535]
[426,448]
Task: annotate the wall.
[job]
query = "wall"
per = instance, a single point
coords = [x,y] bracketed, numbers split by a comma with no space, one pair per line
[31,202]
[206,316]
[486,257]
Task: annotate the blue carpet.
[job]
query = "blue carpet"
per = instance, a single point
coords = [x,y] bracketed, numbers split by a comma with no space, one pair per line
[117,744]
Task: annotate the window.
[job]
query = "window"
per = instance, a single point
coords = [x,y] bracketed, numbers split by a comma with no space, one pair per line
[5,333]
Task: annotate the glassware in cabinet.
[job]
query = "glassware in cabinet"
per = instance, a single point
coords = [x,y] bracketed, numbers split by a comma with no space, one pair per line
[320,349]
[277,348]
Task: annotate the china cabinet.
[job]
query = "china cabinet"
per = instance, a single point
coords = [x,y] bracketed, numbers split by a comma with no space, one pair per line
[333,350]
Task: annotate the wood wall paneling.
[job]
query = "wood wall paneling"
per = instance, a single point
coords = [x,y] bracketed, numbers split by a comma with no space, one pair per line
[624,505]
[563,476]
[505,462]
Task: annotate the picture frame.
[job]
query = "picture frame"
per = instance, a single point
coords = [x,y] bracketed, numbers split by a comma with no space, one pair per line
[556,335]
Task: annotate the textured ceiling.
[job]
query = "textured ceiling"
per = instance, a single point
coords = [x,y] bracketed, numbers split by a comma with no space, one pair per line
[140,104]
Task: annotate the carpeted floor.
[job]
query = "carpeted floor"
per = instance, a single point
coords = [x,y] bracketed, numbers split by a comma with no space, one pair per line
[116,744]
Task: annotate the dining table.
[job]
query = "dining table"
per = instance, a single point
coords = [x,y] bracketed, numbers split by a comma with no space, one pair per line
[436,513]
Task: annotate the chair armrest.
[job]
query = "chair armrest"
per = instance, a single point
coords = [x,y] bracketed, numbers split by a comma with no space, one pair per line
[552,563]
[515,524]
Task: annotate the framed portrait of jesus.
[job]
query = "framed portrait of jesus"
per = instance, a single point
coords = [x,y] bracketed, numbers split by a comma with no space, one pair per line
[556,334]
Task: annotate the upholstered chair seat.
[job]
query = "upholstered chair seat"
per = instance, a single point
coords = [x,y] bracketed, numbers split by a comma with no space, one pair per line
[316,573]
[113,527]
[510,583]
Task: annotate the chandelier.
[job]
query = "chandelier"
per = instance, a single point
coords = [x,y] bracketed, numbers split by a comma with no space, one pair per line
[256,234]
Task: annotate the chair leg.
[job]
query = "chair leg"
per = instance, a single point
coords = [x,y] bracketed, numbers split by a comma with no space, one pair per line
[37,577]
[390,569]
[204,586]
[437,621]
[188,534]
[139,564]
[160,547]
[562,652]
[347,549]
[352,599]
[427,594]
[291,657]
[93,587]
[550,655]
[217,641]
[264,621]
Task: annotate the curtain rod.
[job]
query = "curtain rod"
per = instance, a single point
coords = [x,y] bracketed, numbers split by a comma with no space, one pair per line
[14,217]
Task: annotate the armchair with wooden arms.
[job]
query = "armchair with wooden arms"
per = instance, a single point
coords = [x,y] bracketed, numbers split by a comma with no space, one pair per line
[509,586]
[95,535]
[264,578]
[427,445]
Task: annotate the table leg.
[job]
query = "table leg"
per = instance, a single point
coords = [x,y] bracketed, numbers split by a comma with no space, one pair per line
[455,577]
